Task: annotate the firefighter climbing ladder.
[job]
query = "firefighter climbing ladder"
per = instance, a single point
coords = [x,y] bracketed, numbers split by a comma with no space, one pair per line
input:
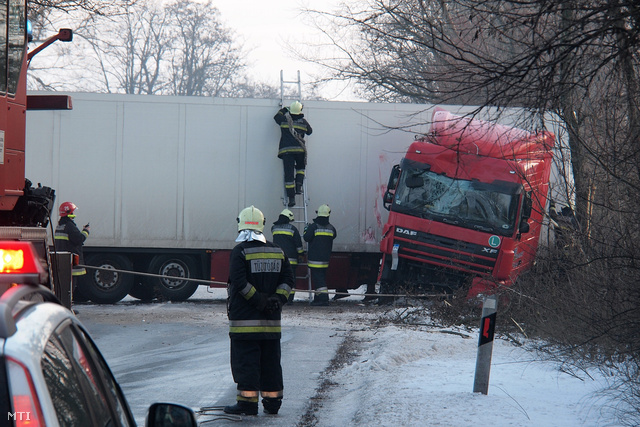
[302,200]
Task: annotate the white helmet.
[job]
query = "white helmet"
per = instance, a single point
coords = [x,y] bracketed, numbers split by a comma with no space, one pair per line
[296,107]
[251,218]
[288,214]
[324,210]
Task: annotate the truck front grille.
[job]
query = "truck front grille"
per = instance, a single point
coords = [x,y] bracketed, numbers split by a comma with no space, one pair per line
[446,252]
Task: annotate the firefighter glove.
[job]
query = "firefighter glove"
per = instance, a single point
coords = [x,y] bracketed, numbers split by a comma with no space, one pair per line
[274,305]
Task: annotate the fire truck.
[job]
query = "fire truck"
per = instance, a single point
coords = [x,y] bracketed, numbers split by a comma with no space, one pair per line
[24,208]
[466,206]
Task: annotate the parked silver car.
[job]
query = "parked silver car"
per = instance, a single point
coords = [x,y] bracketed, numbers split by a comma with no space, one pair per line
[51,371]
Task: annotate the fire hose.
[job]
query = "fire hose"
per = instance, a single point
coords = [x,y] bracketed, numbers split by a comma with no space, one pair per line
[309,291]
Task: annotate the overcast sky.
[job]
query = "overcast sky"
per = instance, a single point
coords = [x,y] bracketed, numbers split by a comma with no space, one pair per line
[267,26]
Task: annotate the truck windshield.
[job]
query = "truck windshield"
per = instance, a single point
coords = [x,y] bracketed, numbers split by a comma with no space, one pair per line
[489,207]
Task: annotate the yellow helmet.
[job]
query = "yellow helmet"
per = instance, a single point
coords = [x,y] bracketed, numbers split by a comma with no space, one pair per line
[324,210]
[288,214]
[296,107]
[251,218]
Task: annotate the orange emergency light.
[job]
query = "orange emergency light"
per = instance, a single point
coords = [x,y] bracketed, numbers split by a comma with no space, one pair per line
[19,263]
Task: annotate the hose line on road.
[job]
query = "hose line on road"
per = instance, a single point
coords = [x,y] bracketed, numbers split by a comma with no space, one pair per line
[309,291]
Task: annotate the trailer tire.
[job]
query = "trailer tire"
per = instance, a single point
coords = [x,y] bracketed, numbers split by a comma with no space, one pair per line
[104,287]
[168,265]
[142,291]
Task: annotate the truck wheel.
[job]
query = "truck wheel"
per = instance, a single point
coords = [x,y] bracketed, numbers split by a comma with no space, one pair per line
[142,291]
[106,287]
[172,289]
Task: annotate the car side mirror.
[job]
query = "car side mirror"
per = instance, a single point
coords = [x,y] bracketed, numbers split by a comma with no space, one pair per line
[170,415]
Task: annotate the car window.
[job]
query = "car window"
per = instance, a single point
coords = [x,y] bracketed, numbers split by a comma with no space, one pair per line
[64,386]
[80,383]
[111,386]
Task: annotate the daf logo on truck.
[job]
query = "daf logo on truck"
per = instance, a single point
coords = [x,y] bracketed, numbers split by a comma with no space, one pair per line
[406,231]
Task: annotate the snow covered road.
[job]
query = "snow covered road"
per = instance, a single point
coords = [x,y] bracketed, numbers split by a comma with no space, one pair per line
[341,368]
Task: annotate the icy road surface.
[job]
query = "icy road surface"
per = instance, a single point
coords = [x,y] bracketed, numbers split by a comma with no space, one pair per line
[340,368]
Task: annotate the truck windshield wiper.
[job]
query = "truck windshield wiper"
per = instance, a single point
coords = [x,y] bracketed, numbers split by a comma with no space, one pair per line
[482,228]
[450,221]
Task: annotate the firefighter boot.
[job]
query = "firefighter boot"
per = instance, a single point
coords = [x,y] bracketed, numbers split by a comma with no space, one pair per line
[321,300]
[242,408]
[298,188]
[271,405]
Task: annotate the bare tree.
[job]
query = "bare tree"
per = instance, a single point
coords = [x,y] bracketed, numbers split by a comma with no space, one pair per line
[578,59]
[205,59]
[129,50]
[179,49]
[105,8]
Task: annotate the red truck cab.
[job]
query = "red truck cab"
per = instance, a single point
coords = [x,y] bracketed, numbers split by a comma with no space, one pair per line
[466,206]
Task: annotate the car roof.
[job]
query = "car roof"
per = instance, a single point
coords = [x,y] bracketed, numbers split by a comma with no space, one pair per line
[35,322]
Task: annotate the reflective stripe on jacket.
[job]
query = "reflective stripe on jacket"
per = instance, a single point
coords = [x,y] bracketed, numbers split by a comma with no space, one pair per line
[287,236]
[257,270]
[69,238]
[288,143]
[320,235]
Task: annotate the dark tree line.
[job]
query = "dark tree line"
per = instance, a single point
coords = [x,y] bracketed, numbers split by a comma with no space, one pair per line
[141,47]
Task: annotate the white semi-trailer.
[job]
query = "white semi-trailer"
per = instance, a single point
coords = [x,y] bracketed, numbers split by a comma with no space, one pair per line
[162,179]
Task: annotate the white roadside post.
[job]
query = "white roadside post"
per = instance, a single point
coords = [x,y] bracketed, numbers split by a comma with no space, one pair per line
[485,344]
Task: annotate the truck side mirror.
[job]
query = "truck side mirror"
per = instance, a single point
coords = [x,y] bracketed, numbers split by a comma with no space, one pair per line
[527,206]
[387,198]
[524,227]
[393,178]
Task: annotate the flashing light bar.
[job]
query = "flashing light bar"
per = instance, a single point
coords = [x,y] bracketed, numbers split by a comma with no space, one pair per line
[11,260]
[19,263]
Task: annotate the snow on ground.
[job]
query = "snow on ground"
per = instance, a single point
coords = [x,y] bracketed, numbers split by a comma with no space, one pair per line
[423,376]
[405,377]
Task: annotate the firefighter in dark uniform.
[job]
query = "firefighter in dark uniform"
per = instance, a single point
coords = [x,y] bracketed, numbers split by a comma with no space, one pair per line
[320,235]
[69,238]
[287,236]
[260,280]
[292,149]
